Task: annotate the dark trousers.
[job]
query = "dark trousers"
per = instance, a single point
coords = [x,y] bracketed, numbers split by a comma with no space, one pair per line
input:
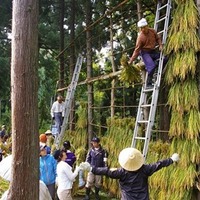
[52,190]
[149,58]
[58,121]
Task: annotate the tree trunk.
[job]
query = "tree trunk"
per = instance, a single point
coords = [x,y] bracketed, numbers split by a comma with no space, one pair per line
[89,69]
[62,35]
[139,9]
[72,58]
[25,139]
[164,116]
[113,68]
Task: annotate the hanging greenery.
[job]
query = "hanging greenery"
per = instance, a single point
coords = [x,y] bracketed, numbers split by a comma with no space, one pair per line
[182,45]
[180,66]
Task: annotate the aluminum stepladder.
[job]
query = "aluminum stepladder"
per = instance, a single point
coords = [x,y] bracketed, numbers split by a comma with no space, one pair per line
[148,120]
[69,98]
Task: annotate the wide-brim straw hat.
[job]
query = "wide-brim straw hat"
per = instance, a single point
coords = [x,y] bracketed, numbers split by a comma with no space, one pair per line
[131,159]
[48,132]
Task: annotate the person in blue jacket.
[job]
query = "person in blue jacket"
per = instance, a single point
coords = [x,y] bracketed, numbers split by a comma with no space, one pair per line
[133,174]
[48,170]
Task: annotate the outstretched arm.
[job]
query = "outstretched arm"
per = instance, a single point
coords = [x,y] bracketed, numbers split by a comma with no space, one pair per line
[150,169]
[115,174]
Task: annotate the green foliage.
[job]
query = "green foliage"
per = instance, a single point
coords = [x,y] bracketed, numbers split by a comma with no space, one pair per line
[82,116]
[182,33]
[180,66]
[184,96]
[130,74]
[182,45]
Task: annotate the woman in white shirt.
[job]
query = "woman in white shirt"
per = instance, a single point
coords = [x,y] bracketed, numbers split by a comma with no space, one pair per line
[65,177]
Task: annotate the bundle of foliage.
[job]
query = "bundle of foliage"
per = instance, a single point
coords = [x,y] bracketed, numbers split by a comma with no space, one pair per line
[130,73]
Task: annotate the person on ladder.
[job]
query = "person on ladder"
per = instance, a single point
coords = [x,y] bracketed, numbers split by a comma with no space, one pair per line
[58,112]
[146,42]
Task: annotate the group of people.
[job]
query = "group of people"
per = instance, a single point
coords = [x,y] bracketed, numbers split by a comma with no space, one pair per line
[132,175]
[51,167]
[56,169]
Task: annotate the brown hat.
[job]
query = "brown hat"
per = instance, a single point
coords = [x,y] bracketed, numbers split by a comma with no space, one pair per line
[131,159]
[43,138]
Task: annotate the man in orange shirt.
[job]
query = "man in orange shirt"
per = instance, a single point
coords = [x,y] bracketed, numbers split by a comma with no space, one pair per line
[146,42]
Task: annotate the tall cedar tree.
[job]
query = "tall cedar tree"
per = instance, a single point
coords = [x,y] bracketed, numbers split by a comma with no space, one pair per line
[25,176]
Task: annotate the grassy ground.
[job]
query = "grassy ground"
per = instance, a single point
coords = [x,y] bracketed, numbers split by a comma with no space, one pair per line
[103,195]
[80,195]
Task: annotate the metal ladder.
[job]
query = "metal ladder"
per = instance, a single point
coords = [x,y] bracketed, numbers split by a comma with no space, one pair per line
[69,98]
[152,94]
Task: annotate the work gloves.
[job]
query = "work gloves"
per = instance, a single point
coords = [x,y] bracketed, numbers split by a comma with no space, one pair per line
[85,166]
[175,157]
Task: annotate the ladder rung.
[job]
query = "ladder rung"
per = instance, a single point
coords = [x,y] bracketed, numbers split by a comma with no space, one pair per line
[161,31]
[142,121]
[140,138]
[148,90]
[161,20]
[163,7]
[145,106]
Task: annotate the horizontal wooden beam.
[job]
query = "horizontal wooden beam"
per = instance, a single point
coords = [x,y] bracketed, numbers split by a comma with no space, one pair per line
[91,80]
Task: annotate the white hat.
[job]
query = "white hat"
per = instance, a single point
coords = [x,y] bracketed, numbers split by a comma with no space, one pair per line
[131,159]
[142,23]
[48,132]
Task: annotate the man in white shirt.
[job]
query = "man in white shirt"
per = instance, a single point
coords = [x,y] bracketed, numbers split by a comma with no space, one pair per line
[57,112]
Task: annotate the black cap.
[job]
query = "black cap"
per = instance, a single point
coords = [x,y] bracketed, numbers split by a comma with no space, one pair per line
[67,144]
[95,139]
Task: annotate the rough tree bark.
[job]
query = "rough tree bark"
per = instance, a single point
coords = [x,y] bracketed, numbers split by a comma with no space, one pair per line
[72,58]
[25,141]
[113,69]
[62,59]
[89,68]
